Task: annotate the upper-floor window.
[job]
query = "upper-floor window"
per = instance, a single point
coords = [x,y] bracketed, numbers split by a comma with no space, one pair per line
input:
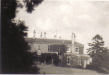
[76,49]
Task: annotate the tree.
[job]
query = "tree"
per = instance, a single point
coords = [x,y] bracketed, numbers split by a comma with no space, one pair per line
[15,55]
[105,60]
[97,51]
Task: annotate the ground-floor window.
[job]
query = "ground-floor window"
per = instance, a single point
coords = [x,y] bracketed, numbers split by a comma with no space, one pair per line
[68,60]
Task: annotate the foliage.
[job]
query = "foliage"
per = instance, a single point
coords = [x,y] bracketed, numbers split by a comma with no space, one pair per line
[15,55]
[61,49]
[30,4]
[48,57]
[98,52]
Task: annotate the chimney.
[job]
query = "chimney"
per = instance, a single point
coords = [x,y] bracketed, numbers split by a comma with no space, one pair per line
[73,38]
[41,35]
[34,33]
[45,34]
[73,42]
[59,37]
[55,36]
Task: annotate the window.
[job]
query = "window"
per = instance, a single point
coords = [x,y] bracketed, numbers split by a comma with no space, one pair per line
[39,50]
[76,49]
[38,47]
[68,60]
[48,47]
[68,49]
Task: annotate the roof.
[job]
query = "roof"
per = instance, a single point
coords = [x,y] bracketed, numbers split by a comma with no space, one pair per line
[51,41]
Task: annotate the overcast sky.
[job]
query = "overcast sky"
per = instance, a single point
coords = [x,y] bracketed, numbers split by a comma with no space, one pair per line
[62,17]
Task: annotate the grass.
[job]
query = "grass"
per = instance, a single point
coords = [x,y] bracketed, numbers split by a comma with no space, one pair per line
[51,69]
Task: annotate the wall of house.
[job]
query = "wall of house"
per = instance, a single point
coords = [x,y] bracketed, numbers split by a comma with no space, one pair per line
[68,47]
[79,49]
[43,48]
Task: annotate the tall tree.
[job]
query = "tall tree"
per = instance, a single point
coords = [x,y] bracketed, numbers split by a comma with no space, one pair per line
[15,55]
[97,50]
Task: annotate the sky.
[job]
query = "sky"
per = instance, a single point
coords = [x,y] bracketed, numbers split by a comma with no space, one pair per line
[64,17]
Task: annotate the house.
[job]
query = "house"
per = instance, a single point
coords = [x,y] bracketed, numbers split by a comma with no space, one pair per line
[44,45]
[73,49]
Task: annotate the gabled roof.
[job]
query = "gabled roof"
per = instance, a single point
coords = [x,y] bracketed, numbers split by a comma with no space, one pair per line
[51,41]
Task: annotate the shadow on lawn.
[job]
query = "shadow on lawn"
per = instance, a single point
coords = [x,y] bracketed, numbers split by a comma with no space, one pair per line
[88,68]
[100,70]
[69,66]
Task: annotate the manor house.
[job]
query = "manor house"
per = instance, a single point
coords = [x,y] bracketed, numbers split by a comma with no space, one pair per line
[45,45]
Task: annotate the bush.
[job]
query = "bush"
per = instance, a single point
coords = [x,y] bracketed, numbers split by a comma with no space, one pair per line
[48,57]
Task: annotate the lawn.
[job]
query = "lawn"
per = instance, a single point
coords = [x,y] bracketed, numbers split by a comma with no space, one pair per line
[52,69]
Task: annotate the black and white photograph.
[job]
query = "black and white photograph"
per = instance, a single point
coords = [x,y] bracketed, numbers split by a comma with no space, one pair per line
[54,37]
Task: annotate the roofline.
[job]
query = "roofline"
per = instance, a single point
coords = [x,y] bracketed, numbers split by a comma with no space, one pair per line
[54,39]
